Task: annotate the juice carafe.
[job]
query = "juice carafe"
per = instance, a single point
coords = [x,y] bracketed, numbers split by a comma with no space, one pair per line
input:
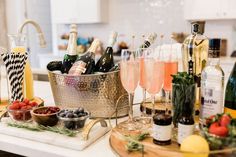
[18,45]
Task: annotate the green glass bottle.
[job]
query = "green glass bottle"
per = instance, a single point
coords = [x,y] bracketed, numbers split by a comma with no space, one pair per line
[71,55]
[230,94]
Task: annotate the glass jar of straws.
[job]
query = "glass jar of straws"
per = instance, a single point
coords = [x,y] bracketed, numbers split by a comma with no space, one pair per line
[14,61]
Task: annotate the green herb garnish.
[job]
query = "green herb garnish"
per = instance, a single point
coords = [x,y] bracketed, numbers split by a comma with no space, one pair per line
[183,95]
[54,129]
[133,142]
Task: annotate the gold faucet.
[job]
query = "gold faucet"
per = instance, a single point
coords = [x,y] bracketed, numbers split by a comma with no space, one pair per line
[42,41]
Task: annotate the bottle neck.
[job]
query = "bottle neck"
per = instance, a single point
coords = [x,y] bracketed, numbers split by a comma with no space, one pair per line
[72,44]
[93,47]
[213,61]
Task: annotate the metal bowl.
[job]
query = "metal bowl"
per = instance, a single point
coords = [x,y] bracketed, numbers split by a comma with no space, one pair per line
[98,93]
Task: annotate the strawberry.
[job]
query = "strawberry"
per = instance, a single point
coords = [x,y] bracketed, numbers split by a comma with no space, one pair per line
[15,106]
[21,104]
[218,130]
[33,104]
[225,120]
[26,101]
[27,107]
[16,102]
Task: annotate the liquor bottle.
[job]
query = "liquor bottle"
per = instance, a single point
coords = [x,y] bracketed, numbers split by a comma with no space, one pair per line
[71,55]
[147,43]
[212,84]
[185,126]
[230,94]
[106,62]
[85,64]
[194,51]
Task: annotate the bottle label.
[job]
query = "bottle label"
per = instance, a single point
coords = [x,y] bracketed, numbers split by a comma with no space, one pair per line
[78,68]
[211,101]
[161,133]
[184,131]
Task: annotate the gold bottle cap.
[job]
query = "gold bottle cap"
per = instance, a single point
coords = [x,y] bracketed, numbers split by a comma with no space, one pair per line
[198,27]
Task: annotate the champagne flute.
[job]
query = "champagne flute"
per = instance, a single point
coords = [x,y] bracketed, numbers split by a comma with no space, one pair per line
[129,73]
[170,68]
[154,71]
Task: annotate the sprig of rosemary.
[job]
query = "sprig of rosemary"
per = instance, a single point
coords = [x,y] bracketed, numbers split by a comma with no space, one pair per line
[133,144]
[63,131]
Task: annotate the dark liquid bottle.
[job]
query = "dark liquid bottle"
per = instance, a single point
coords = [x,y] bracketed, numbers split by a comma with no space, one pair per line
[230,94]
[185,127]
[85,64]
[71,55]
[162,129]
[106,62]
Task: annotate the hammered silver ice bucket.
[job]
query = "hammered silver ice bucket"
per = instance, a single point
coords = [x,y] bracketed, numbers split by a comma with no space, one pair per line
[97,93]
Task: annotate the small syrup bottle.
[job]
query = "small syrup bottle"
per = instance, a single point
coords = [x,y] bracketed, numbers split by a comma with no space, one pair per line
[162,129]
[185,126]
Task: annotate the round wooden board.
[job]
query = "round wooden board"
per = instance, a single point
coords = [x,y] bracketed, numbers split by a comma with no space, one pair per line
[118,142]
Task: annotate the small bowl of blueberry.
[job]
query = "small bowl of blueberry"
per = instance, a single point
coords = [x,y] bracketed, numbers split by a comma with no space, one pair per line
[73,118]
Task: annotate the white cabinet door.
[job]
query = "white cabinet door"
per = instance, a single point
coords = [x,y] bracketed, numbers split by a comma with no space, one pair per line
[229,9]
[78,11]
[201,9]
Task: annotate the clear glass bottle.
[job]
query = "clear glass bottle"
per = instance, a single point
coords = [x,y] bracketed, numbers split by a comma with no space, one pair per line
[212,83]
[18,45]
[194,53]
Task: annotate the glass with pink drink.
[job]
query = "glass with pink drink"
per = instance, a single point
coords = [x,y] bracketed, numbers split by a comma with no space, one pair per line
[154,72]
[170,68]
[129,74]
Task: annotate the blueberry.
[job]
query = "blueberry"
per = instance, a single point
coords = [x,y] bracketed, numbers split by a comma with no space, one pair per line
[76,111]
[62,114]
[81,109]
[80,115]
[62,111]
[69,115]
[70,125]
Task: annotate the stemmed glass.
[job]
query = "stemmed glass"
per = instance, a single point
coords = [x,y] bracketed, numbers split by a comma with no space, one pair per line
[142,80]
[129,73]
[144,119]
[170,68]
[154,72]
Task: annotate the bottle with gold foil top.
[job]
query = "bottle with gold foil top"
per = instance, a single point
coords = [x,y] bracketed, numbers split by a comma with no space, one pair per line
[18,45]
[195,54]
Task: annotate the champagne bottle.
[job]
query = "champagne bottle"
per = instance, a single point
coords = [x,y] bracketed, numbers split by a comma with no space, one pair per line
[194,51]
[149,40]
[85,64]
[230,94]
[71,55]
[106,62]
[147,43]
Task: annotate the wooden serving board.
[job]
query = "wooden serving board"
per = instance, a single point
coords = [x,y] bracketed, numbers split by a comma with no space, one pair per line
[118,142]
[76,143]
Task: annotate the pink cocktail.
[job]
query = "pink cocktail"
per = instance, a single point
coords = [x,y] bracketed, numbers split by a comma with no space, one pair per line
[129,73]
[142,73]
[170,68]
[154,71]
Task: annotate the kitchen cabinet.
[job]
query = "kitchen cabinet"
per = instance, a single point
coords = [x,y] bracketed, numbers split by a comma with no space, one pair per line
[79,11]
[209,9]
